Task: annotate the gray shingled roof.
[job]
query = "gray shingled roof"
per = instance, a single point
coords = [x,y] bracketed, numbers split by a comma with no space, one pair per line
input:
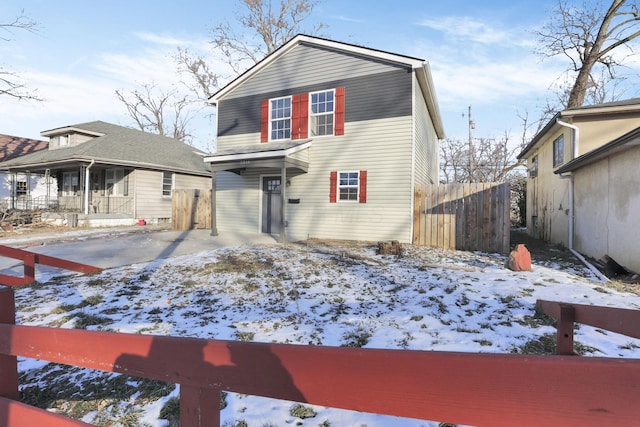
[121,146]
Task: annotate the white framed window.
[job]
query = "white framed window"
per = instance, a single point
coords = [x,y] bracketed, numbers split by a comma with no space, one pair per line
[280,118]
[321,112]
[115,182]
[533,171]
[558,151]
[167,183]
[70,183]
[21,188]
[348,186]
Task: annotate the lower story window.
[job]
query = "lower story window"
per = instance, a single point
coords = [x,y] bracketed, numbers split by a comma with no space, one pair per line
[167,183]
[21,188]
[348,186]
[348,183]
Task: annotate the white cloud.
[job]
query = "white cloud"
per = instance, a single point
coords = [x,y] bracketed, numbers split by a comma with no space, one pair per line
[464,27]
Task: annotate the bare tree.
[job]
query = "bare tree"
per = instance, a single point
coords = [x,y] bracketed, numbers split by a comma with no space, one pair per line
[10,81]
[157,111]
[263,29]
[491,160]
[591,37]
[259,30]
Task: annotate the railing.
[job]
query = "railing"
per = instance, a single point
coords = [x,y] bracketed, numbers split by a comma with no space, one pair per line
[464,388]
[97,204]
[620,320]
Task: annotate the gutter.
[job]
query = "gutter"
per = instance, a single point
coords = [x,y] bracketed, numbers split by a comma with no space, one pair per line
[575,144]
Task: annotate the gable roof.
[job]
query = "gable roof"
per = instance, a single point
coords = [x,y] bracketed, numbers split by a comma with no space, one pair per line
[117,145]
[419,66]
[619,144]
[15,146]
[617,107]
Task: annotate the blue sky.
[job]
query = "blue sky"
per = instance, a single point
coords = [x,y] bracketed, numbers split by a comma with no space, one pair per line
[481,55]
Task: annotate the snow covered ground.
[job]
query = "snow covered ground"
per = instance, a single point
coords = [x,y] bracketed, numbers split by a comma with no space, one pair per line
[314,293]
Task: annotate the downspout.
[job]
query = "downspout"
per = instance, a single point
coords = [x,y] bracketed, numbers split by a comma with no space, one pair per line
[575,144]
[87,187]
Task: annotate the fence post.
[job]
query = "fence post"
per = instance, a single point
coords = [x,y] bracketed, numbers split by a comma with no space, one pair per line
[565,330]
[29,267]
[8,363]
[199,407]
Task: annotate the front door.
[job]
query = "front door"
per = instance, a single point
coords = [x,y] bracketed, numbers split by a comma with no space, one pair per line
[271,205]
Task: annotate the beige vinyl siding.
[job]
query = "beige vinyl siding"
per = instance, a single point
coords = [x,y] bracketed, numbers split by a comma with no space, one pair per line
[596,133]
[426,143]
[187,182]
[305,65]
[150,203]
[383,149]
[238,202]
[548,194]
[236,141]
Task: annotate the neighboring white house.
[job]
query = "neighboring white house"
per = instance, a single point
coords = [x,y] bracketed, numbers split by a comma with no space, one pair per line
[325,139]
[110,175]
[29,187]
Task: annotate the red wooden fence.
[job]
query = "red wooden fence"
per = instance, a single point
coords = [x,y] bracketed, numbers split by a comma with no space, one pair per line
[464,388]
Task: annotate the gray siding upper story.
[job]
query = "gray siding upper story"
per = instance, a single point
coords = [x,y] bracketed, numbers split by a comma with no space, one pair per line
[373,90]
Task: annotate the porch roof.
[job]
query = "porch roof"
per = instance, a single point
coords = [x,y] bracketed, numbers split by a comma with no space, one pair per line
[118,146]
[264,155]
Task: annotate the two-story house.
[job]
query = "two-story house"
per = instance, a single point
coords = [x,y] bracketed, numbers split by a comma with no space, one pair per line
[105,174]
[323,139]
[583,188]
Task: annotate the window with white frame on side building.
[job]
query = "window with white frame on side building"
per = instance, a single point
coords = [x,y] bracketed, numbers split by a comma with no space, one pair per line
[167,183]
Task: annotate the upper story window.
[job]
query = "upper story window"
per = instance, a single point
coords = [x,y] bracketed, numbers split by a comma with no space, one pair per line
[59,141]
[558,151]
[280,118]
[321,114]
[303,115]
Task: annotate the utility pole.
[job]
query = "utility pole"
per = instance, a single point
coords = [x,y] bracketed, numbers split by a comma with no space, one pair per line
[472,126]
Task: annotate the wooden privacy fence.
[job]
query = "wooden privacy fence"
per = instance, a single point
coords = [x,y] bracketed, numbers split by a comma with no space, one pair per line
[191,209]
[468,216]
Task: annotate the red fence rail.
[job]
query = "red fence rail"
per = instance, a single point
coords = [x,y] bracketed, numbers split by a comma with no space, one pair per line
[30,259]
[463,388]
[620,320]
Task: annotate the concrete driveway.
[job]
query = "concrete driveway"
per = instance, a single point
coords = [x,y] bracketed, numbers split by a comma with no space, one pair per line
[121,246]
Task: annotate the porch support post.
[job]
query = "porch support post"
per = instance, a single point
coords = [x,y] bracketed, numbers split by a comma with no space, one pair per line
[283,202]
[214,224]
[87,186]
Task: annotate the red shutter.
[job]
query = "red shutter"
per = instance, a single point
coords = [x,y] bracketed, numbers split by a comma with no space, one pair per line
[362,191]
[339,127]
[295,116]
[333,187]
[264,121]
[304,115]
[300,116]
